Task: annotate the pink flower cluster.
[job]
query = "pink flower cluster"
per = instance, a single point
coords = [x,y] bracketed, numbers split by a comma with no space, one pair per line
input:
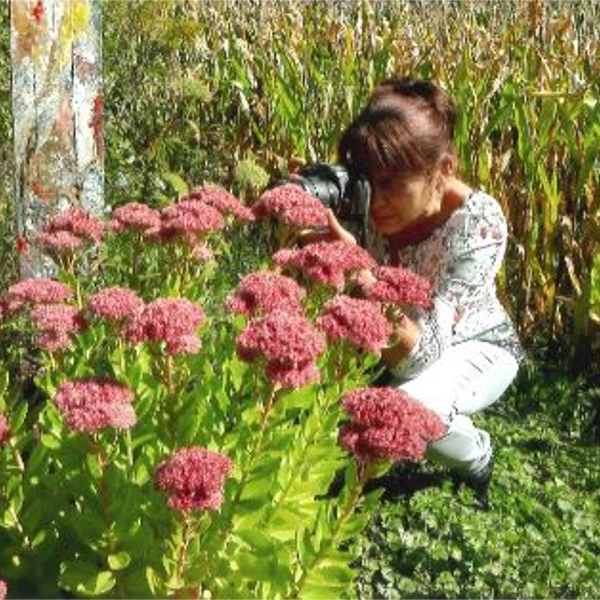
[4,430]
[223,201]
[35,291]
[187,220]
[3,590]
[327,262]
[115,304]
[388,424]
[399,286]
[289,344]
[58,242]
[293,205]
[134,216]
[93,404]
[358,321]
[169,320]
[194,477]
[264,292]
[69,229]
[56,323]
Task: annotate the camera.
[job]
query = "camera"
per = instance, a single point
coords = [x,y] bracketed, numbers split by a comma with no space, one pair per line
[345,192]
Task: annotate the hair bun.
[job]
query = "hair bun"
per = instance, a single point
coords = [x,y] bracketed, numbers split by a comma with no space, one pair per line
[427,90]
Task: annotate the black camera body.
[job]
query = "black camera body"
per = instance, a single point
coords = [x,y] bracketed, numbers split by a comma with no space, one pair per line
[346,192]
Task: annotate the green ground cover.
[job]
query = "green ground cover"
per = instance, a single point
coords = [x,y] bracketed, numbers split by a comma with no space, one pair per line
[541,539]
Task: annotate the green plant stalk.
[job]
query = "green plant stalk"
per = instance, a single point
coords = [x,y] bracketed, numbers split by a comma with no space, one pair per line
[365,472]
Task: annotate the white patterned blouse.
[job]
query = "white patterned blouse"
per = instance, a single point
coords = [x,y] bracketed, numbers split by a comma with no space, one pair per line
[461,259]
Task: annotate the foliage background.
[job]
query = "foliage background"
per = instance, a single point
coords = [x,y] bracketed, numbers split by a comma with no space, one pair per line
[232,91]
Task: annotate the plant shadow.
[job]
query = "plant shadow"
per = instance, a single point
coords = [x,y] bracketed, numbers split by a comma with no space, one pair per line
[402,481]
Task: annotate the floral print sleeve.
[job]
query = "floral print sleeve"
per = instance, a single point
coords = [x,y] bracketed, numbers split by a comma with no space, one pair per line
[461,259]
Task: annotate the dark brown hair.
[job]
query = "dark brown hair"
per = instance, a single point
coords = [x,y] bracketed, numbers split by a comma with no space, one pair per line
[406,126]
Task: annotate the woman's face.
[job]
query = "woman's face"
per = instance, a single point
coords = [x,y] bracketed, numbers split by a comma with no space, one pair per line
[399,200]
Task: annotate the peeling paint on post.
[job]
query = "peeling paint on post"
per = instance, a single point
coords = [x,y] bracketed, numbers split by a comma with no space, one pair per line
[57,115]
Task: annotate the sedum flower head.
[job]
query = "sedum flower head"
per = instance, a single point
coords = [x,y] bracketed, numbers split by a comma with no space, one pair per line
[223,201]
[387,424]
[288,343]
[293,205]
[327,262]
[194,478]
[188,219]
[94,404]
[35,291]
[58,242]
[115,303]
[399,286]
[134,216]
[56,323]
[3,589]
[78,222]
[4,430]
[168,320]
[358,321]
[264,292]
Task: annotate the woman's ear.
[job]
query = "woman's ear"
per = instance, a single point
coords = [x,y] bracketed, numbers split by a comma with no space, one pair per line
[447,165]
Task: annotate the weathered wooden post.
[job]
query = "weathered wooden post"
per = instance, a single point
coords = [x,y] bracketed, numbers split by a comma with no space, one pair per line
[57,115]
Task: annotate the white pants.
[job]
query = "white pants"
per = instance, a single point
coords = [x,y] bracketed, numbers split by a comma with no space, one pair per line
[466,379]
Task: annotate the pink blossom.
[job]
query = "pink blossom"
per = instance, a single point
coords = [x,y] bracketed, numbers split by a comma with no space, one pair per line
[263,292]
[57,317]
[202,252]
[53,341]
[166,320]
[358,321]
[388,424]
[3,589]
[223,201]
[78,222]
[56,322]
[188,219]
[292,377]
[40,290]
[93,404]
[58,242]
[289,344]
[134,215]
[327,262]
[399,286]
[293,205]
[186,344]
[4,430]
[194,477]
[115,303]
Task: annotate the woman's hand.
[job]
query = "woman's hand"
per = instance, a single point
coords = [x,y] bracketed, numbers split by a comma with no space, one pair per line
[407,334]
[333,233]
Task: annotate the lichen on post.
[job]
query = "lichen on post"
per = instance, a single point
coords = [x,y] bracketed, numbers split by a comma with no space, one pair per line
[57,116]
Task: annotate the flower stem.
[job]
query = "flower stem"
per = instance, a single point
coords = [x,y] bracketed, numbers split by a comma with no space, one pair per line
[247,468]
[364,475]
[187,529]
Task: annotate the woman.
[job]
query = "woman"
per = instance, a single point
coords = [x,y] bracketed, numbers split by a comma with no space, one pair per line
[460,356]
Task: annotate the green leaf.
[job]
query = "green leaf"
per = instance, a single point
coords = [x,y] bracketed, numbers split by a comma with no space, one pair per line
[50,441]
[18,417]
[254,568]
[89,527]
[94,465]
[178,184]
[79,577]
[118,561]
[256,540]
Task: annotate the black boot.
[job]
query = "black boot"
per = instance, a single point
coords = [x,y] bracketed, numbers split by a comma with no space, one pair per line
[480,484]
